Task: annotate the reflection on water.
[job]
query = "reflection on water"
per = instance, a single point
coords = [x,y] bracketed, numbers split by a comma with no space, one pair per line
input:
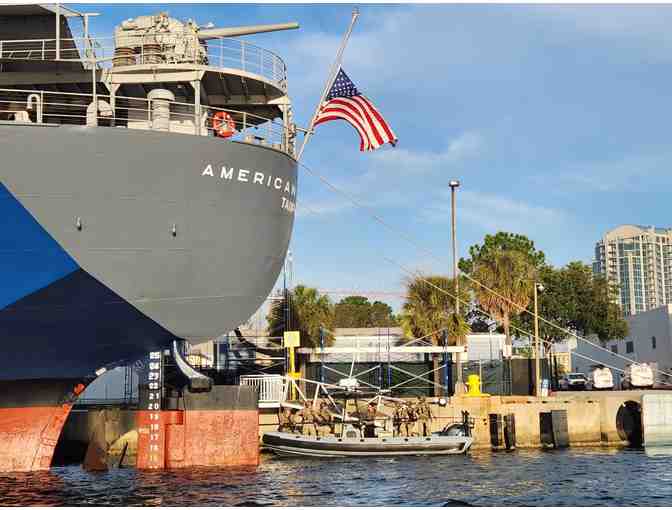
[657,451]
[577,477]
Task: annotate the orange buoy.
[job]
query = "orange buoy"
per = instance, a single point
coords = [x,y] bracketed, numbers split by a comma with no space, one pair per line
[223,125]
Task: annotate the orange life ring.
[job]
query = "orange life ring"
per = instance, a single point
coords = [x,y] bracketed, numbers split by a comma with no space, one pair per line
[223,125]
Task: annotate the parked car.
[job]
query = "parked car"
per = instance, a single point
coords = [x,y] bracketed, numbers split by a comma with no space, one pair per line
[637,375]
[600,378]
[573,381]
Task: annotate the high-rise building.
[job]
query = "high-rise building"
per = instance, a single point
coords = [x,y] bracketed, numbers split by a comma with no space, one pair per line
[639,260]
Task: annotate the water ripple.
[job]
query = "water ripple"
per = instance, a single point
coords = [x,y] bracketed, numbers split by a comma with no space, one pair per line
[572,477]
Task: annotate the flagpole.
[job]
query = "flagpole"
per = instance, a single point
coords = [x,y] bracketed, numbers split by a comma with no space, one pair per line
[333,72]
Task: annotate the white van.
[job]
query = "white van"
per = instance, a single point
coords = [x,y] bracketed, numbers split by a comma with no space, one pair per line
[637,375]
[600,378]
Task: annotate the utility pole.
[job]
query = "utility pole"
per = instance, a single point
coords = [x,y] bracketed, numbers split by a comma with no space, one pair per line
[454,184]
[537,365]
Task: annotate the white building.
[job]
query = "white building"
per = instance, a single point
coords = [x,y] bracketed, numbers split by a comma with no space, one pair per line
[649,340]
[480,346]
[639,261]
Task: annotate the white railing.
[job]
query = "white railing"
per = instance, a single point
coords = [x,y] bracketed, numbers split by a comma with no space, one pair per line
[222,52]
[48,107]
[271,388]
[45,49]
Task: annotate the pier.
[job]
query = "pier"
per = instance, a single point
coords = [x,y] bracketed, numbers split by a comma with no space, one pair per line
[576,419]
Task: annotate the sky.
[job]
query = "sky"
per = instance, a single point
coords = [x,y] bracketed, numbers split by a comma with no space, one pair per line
[554,118]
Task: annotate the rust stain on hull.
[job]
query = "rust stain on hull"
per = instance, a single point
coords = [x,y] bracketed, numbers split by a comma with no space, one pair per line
[28,436]
[213,438]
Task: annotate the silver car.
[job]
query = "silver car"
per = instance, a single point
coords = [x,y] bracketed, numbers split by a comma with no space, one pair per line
[573,381]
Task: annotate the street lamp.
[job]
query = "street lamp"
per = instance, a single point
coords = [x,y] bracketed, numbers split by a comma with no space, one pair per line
[454,184]
[538,287]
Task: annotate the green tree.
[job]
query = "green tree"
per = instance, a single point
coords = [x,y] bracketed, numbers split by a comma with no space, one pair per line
[576,300]
[382,315]
[507,263]
[308,312]
[359,312]
[352,312]
[429,312]
[502,241]
[507,279]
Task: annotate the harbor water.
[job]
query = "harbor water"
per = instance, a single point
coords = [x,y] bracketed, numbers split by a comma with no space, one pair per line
[574,477]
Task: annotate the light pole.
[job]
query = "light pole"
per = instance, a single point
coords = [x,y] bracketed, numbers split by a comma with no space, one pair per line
[538,287]
[454,184]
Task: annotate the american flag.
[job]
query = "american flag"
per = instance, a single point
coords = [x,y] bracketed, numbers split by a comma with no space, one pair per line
[345,102]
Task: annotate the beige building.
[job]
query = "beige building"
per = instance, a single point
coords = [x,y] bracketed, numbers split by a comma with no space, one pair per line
[639,260]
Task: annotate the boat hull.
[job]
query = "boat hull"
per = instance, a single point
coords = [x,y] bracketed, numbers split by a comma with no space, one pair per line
[32,415]
[295,444]
[115,242]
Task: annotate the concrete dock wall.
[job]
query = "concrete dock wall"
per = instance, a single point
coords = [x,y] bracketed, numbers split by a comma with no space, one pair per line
[657,419]
[610,418]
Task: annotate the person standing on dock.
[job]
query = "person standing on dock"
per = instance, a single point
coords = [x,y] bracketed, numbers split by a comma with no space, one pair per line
[424,414]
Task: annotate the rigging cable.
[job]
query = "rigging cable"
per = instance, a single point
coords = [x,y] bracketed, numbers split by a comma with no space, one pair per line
[413,242]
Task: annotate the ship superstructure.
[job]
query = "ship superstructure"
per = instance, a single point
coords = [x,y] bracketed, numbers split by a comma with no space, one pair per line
[147,192]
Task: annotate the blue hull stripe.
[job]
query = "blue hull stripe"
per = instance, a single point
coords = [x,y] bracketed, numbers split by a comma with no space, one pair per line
[56,320]
[30,258]
[71,328]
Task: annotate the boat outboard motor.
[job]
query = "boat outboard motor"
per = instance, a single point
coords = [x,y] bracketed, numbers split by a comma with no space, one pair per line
[458,429]
[198,382]
[453,430]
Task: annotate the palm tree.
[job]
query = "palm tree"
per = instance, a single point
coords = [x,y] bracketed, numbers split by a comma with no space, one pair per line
[308,312]
[429,311]
[511,276]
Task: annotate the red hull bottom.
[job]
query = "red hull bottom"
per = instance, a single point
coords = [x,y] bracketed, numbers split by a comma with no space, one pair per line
[28,436]
[208,438]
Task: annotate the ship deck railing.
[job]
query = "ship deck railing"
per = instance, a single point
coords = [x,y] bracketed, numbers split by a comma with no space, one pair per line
[271,388]
[219,53]
[67,108]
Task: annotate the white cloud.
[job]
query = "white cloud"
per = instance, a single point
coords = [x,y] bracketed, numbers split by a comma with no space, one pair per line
[396,177]
[639,172]
[492,212]
[382,55]
[642,28]
[406,162]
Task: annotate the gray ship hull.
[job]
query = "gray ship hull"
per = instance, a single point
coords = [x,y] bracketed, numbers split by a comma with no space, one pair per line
[114,242]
